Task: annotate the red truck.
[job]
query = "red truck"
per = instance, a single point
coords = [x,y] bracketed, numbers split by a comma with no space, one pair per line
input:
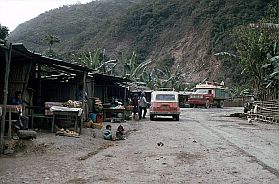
[209,94]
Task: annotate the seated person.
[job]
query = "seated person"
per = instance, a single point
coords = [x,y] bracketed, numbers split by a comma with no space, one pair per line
[22,122]
[107,133]
[120,133]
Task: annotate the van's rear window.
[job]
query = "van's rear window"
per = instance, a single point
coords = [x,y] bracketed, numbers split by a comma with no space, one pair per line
[165,97]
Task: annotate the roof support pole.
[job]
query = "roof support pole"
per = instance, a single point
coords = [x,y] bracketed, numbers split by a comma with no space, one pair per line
[39,83]
[125,95]
[8,54]
[84,105]
[93,87]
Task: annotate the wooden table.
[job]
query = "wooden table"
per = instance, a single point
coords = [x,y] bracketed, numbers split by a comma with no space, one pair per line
[11,109]
[110,114]
[67,116]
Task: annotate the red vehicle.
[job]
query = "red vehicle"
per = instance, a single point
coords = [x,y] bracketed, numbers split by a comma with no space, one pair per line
[209,94]
[164,103]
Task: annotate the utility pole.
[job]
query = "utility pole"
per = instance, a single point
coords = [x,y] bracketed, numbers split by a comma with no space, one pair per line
[8,53]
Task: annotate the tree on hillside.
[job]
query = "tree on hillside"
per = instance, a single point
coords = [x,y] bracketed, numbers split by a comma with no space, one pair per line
[51,40]
[258,50]
[4,32]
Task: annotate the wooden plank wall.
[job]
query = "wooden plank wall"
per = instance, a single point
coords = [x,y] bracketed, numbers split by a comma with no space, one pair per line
[17,79]
[267,111]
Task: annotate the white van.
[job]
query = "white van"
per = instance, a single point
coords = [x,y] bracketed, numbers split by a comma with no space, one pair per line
[164,103]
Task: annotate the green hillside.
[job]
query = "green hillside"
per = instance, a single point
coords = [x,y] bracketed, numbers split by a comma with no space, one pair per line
[171,33]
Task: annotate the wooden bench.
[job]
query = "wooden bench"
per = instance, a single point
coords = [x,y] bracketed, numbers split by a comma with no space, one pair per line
[37,112]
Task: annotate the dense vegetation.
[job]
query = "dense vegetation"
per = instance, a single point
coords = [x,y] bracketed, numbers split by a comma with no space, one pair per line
[179,32]
[4,32]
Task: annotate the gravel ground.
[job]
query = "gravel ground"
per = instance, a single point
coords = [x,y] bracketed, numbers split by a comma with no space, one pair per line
[205,146]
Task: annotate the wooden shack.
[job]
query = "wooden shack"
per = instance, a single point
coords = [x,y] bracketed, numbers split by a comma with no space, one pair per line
[43,79]
[16,63]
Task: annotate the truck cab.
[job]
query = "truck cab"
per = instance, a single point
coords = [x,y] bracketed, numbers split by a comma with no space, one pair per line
[209,94]
[201,97]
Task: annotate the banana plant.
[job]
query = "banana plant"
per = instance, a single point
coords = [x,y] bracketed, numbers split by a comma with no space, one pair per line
[95,62]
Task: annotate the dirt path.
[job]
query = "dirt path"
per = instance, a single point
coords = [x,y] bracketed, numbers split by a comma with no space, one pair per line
[205,146]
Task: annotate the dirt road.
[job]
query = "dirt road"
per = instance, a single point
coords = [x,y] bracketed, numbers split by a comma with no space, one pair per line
[205,146]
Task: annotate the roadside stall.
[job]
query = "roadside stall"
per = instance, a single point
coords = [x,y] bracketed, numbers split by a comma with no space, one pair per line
[16,63]
[67,116]
[112,92]
[114,110]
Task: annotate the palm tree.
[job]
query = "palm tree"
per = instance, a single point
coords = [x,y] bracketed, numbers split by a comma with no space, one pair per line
[50,39]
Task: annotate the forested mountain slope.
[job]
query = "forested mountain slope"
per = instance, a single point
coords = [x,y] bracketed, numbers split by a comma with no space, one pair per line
[184,33]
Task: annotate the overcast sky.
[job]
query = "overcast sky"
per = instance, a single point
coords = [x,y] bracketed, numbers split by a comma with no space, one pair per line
[15,12]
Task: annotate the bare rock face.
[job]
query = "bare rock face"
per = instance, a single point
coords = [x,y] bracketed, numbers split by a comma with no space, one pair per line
[27,134]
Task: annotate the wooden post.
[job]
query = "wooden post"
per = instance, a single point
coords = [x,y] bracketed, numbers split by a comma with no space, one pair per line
[83,101]
[125,94]
[39,84]
[8,54]
[93,87]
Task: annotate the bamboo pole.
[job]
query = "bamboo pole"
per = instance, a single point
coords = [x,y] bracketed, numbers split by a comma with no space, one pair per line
[8,54]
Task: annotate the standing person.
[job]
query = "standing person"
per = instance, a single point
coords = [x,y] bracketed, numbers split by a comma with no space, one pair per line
[79,97]
[136,105]
[79,94]
[22,121]
[142,106]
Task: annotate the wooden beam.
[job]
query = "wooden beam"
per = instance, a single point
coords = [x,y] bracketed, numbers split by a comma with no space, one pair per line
[8,54]
[70,71]
[14,82]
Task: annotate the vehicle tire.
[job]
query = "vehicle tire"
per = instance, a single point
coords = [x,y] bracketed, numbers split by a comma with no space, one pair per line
[207,104]
[221,104]
[191,105]
[152,117]
[175,117]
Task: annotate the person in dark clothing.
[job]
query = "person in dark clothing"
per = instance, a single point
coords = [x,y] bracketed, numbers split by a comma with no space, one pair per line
[120,134]
[22,122]
[17,99]
[135,103]
[79,94]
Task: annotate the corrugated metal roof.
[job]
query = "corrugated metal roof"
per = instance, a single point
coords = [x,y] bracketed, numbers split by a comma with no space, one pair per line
[20,51]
